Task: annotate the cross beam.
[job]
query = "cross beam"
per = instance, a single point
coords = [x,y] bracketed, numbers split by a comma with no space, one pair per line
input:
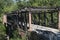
[40,9]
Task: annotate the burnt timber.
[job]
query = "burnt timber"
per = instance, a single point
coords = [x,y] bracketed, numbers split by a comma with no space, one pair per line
[30,11]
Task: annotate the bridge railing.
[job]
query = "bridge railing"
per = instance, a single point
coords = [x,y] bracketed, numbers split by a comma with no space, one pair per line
[44,16]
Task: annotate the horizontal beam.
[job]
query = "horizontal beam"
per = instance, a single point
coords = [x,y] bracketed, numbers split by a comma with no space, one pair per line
[40,9]
[43,7]
[37,9]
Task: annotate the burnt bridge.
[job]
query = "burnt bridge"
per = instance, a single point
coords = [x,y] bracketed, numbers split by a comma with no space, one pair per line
[32,18]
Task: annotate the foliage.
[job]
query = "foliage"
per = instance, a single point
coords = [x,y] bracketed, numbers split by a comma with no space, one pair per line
[11,5]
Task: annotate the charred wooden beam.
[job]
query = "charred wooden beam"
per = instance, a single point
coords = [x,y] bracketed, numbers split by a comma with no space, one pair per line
[40,9]
[39,18]
[51,19]
[44,19]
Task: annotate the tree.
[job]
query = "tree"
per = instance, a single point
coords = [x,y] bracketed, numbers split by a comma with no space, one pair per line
[5,6]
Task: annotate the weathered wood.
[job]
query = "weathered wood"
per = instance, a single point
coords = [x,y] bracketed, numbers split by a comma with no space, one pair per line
[52,21]
[29,21]
[4,19]
[39,9]
[44,19]
[34,27]
[59,21]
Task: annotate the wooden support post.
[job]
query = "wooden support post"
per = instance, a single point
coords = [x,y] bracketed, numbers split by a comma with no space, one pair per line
[59,20]
[5,23]
[4,19]
[52,21]
[44,19]
[39,18]
[29,21]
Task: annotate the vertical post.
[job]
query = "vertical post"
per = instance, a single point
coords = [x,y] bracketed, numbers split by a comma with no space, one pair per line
[29,21]
[59,21]
[52,19]
[44,19]
[5,24]
[4,19]
[39,19]
[25,22]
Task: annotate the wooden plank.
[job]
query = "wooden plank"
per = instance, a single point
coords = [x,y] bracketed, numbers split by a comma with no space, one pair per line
[59,21]
[4,19]
[34,27]
[31,9]
[44,19]
[29,21]
[44,7]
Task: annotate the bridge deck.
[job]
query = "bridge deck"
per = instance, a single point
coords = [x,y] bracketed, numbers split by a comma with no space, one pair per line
[34,27]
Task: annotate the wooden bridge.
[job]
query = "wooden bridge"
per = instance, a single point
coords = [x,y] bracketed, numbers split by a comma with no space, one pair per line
[24,17]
